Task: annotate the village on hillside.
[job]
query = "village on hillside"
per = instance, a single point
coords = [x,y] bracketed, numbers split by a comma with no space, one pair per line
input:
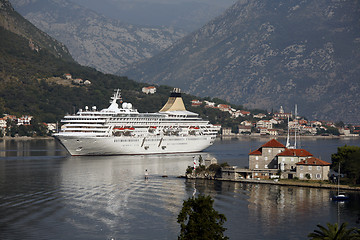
[248,123]
[277,123]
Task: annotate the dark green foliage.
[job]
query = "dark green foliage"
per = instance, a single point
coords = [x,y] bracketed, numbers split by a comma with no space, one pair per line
[36,128]
[334,232]
[189,170]
[349,159]
[199,220]
[200,169]
[330,131]
[24,89]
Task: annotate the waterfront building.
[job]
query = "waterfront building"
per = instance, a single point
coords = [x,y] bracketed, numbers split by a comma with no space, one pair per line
[264,157]
[226,132]
[313,169]
[244,129]
[273,160]
[287,159]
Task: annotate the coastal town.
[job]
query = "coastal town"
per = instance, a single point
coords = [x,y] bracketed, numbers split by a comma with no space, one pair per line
[245,122]
[277,123]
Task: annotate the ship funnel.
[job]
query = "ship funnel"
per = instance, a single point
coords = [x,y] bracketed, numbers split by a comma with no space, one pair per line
[175,102]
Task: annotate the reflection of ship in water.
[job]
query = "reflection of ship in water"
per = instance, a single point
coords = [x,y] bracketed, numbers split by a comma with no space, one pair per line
[117,184]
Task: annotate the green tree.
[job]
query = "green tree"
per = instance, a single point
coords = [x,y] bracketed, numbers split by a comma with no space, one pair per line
[349,158]
[199,220]
[333,232]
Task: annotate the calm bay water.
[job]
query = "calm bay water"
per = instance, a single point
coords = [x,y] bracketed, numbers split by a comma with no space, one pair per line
[46,194]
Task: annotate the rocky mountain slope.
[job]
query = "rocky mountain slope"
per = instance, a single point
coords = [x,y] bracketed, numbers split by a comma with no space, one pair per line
[38,40]
[189,15]
[93,40]
[32,78]
[264,54]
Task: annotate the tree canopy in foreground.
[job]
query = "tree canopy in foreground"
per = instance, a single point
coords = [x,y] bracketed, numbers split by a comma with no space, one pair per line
[334,232]
[199,220]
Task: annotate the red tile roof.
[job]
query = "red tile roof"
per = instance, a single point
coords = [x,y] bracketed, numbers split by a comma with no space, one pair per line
[295,152]
[273,144]
[256,152]
[313,161]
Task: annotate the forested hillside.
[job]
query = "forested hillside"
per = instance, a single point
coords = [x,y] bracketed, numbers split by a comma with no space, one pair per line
[25,86]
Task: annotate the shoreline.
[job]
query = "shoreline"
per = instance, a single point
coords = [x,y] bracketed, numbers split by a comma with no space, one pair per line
[26,138]
[284,182]
[282,136]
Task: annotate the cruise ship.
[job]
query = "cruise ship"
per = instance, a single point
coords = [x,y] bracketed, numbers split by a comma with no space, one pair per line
[119,130]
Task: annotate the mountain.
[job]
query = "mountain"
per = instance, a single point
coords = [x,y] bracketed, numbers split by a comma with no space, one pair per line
[14,22]
[32,65]
[189,15]
[92,39]
[264,54]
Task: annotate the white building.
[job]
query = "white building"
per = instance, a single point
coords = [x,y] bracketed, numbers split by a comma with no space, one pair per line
[24,120]
[149,90]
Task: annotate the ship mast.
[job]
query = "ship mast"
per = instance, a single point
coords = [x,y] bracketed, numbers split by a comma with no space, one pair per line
[295,124]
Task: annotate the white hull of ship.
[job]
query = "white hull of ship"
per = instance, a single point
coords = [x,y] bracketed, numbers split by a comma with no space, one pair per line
[78,146]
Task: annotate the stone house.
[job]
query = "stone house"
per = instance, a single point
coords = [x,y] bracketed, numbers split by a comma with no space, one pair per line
[264,157]
[287,159]
[312,168]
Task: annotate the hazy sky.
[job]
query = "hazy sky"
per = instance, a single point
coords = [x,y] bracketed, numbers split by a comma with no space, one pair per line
[186,14]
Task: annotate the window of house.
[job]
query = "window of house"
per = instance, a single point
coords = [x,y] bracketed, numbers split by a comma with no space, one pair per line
[301,175]
[310,167]
[257,158]
[266,166]
[269,150]
[256,174]
[318,168]
[266,158]
[301,167]
[318,176]
[257,166]
[292,159]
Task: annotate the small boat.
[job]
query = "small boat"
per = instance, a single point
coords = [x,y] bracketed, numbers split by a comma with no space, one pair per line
[340,195]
